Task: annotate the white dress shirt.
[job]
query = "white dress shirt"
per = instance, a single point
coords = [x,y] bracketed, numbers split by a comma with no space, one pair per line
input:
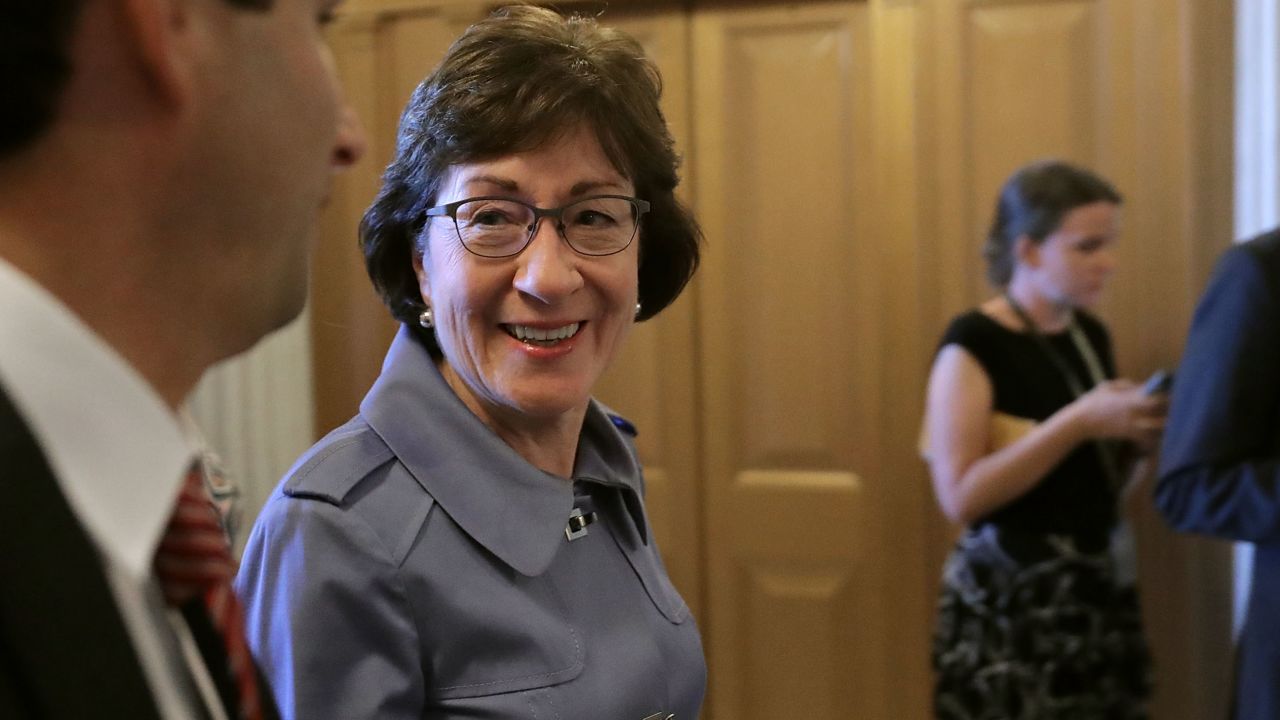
[119,455]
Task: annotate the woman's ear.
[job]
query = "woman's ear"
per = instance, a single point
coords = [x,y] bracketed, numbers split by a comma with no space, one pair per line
[424,282]
[1026,251]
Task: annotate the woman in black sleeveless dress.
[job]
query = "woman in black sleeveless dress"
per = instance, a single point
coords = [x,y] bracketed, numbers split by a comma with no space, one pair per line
[1026,434]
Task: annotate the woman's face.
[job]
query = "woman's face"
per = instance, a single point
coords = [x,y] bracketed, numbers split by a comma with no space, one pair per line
[480,305]
[1073,263]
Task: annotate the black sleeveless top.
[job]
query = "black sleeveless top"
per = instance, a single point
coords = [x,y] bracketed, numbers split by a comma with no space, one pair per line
[1075,497]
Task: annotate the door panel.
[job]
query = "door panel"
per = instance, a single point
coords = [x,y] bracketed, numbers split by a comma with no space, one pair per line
[1023,81]
[790,360]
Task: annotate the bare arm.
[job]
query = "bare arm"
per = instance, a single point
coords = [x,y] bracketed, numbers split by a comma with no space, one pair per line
[969,479]
[969,482]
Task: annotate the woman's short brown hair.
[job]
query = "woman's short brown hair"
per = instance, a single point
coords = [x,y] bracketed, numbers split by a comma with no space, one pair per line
[512,82]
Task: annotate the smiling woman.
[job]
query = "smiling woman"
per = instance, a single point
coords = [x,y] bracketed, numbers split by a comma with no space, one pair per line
[526,337]
[474,542]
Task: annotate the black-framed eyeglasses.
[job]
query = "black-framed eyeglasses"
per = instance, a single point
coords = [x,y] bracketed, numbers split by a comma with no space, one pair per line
[497,227]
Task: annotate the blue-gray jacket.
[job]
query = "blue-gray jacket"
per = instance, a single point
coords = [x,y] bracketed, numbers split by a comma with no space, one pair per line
[412,565]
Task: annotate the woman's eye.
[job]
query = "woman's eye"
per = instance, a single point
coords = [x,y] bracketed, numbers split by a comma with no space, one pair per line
[489,217]
[592,218]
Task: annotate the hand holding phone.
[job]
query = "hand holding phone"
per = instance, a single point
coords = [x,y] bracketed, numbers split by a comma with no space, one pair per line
[1159,382]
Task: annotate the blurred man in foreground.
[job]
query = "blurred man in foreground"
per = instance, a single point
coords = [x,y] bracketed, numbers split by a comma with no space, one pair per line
[162,167]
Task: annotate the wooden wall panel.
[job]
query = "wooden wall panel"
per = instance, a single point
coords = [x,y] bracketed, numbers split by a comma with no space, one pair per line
[1031,88]
[791,361]
[1179,220]
[902,117]
[796,630]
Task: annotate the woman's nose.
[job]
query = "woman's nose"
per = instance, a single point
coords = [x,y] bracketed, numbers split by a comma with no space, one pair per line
[548,266]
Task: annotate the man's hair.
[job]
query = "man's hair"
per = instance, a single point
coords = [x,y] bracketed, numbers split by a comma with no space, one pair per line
[1033,202]
[34,67]
[35,64]
[511,83]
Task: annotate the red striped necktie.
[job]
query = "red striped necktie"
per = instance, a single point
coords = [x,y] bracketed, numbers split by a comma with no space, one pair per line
[194,566]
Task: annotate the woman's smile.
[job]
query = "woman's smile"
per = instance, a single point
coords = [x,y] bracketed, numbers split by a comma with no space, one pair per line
[543,334]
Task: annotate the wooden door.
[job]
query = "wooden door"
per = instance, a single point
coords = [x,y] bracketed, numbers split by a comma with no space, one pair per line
[815,578]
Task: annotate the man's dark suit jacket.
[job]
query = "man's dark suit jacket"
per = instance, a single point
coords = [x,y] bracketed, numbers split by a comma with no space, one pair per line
[1220,464]
[64,649]
[65,653]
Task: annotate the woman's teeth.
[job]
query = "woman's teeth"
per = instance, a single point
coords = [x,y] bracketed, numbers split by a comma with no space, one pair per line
[540,336]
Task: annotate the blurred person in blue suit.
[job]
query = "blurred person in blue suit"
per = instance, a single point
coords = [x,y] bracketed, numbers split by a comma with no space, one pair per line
[1220,463]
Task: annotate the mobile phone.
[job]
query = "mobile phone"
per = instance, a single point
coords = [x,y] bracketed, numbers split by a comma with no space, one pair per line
[1159,382]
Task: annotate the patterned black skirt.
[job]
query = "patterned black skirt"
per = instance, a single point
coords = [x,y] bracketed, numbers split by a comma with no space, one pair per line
[1033,627]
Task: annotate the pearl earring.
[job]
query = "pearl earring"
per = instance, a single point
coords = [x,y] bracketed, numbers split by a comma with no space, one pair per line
[425,319]
[637,311]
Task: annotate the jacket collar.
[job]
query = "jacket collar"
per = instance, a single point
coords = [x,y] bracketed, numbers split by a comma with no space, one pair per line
[515,510]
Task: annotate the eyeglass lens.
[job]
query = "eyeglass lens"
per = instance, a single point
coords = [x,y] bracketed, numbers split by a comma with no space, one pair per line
[592,226]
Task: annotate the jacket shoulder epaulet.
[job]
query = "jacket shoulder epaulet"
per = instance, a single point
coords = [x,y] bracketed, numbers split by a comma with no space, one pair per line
[336,464]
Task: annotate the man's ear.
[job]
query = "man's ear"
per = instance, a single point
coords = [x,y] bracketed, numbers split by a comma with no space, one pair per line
[165,47]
